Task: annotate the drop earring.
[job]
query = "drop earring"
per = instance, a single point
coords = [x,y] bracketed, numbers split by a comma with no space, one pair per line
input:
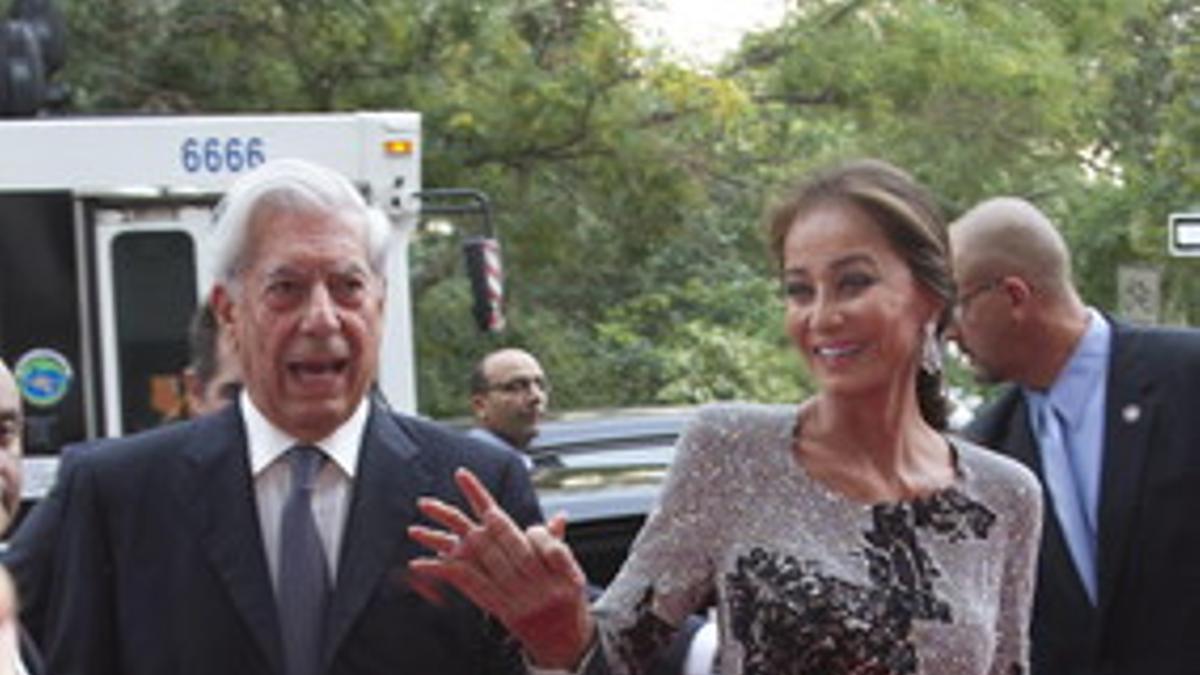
[931,350]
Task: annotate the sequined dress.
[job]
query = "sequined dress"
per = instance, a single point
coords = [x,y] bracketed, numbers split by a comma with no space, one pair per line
[809,582]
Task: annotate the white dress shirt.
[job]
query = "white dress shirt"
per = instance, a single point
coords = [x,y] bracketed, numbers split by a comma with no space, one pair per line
[272,479]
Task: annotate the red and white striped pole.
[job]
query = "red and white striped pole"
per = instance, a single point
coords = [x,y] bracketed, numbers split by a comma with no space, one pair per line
[486,272]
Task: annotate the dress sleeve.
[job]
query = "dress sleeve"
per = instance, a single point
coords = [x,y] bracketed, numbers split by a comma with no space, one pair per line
[1020,574]
[669,572]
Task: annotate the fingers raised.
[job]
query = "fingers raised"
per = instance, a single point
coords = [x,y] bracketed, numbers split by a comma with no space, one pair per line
[446,515]
[477,495]
[558,525]
[555,555]
[442,543]
[477,587]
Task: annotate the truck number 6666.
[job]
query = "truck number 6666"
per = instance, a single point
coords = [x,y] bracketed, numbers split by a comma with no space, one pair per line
[221,155]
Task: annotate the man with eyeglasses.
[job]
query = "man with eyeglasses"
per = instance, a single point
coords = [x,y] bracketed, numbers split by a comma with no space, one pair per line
[509,395]
[1104,412]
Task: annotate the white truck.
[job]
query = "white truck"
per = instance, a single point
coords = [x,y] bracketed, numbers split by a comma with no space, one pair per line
[103,254]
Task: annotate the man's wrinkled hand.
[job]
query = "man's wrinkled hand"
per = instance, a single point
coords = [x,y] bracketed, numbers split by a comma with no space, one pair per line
[527,579]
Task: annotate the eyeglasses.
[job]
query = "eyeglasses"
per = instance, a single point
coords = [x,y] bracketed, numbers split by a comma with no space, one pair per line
[520,385]
[964,300]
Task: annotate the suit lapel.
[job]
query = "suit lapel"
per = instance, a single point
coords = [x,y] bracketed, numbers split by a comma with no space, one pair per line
[1020,442]
[386,487]
[1131,407]
[220,496]
[31,658]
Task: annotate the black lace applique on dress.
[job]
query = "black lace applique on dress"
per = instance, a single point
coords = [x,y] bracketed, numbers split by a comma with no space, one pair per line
[647,635]
[793,619]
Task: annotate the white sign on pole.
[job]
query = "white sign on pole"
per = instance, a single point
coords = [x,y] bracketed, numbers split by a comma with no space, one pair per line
[1138,293]
[1185,234]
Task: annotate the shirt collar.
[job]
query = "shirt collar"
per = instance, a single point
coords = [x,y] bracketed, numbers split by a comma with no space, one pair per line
[267,442]
[1084,371]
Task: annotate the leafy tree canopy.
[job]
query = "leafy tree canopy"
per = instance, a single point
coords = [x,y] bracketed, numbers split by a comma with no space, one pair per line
[629,188]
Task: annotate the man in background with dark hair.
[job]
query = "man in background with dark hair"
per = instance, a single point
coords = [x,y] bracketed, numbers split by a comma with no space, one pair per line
[509,396]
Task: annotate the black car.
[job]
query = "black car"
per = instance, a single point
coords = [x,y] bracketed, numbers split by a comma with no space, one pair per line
[605,470]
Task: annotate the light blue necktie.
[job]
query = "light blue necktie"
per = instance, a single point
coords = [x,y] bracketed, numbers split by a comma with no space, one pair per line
[1066,494]
[304,585]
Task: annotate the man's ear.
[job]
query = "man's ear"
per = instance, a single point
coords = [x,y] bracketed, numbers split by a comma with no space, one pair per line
[478,404]
[1019,294]
[1017,290]
[221,303]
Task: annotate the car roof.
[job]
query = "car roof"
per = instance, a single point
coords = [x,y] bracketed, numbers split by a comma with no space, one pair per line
[606,464]
[613,428]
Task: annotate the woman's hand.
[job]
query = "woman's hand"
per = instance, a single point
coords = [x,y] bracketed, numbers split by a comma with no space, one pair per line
[528,580]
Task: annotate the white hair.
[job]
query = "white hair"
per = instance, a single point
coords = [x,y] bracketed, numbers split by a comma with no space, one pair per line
[290,186]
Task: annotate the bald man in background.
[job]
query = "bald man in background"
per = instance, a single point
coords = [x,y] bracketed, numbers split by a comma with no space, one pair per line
[1105,413]
[509,396]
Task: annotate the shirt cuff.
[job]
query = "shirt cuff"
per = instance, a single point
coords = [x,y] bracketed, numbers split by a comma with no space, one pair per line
[579,670]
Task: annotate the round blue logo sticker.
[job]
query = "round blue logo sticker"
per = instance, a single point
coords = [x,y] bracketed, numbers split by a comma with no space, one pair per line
[43,376]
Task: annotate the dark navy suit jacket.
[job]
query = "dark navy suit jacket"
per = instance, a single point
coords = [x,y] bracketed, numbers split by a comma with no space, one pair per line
[159,565]
[1147,621]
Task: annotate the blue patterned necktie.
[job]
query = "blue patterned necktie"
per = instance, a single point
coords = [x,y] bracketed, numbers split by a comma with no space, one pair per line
[304,585]
[1062,479]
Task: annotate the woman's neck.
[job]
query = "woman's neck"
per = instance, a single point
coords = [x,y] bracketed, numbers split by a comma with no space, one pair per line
[872,452]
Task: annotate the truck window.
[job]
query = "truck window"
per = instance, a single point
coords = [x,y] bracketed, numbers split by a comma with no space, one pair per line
[154,288]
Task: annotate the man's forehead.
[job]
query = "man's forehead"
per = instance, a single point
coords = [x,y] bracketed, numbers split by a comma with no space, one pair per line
[965,260]
[273,232]
[295,268]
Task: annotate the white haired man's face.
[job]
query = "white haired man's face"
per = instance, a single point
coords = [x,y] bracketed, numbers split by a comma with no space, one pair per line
[306,314]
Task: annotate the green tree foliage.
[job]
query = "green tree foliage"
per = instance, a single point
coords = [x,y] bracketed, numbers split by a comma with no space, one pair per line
[629,188]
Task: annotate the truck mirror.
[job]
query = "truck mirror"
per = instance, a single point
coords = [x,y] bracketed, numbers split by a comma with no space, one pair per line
[484,269]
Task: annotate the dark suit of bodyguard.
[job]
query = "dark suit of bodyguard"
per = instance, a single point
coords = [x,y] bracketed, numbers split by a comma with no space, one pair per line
[172,551]
[1146,613]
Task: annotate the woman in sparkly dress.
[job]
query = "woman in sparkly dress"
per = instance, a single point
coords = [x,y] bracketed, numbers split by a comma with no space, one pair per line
[848,535]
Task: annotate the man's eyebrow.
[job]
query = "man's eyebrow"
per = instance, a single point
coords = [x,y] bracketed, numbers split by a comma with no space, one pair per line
[11,415]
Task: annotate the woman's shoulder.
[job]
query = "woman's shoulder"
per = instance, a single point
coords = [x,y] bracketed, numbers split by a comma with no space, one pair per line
[735,432]
[739,416]
[990,471]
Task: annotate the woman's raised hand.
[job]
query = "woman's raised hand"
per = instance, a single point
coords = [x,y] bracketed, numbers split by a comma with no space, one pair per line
[527,579]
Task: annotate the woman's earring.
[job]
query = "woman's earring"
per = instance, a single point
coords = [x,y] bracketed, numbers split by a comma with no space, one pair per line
[931,350]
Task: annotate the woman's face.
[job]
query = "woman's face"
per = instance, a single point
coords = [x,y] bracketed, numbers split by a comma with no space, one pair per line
[854,309]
